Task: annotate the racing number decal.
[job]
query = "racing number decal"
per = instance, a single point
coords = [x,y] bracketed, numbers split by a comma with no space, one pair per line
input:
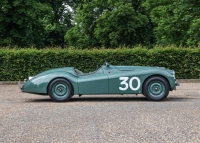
[124,82]
[131,83]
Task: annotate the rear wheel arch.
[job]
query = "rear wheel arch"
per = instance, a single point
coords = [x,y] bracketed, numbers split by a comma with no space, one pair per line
[60,89]
[59,78]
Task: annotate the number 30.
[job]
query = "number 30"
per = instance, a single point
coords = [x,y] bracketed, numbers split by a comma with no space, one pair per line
[124,82]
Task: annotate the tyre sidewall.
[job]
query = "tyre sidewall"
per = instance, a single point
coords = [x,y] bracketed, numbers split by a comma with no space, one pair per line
[159,80]
[63,82]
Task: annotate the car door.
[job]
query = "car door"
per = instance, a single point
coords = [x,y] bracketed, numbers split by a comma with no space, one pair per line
[93,83]
[122,82]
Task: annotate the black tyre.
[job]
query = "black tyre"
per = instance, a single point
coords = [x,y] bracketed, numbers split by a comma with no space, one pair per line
[60,90]
[156,88]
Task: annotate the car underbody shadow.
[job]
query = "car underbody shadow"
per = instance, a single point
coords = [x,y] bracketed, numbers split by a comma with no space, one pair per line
[108,99]
[112,99]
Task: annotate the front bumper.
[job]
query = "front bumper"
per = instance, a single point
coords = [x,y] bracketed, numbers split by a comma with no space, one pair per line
[176,84]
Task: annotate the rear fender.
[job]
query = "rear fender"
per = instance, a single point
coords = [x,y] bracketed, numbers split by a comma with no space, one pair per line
[39,84]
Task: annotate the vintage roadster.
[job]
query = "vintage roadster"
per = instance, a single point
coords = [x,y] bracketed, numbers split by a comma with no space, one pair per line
[62,83]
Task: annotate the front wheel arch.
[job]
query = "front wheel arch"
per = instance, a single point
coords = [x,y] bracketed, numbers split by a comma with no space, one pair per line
[155,76]
[161,88]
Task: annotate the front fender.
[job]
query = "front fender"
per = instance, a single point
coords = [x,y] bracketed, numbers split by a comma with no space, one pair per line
[39,84]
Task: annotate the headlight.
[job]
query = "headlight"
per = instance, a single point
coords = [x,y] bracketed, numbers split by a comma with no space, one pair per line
[172,72]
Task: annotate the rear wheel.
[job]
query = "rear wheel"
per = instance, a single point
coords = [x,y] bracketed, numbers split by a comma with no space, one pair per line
[60,90]
[156,88]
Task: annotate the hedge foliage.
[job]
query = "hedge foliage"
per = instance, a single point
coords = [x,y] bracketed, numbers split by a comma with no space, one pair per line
[17,64]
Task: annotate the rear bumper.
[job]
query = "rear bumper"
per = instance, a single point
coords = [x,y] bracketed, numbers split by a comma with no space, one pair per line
[20,84]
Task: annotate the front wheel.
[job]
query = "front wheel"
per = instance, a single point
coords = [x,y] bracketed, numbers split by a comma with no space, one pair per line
[156,88]
[60,90]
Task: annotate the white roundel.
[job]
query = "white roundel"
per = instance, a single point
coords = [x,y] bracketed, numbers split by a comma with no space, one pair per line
[130,84]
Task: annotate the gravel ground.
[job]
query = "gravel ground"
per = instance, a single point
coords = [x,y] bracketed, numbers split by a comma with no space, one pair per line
[96,119]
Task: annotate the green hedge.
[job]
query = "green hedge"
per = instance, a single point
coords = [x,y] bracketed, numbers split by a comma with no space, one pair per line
[19,64]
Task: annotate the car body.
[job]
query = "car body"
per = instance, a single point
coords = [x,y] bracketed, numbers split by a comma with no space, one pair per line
[62,83]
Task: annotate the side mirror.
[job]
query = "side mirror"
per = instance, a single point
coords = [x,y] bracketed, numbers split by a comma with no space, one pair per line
[107,64]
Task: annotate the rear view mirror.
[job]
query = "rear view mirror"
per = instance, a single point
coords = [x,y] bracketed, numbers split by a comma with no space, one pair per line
[107,64]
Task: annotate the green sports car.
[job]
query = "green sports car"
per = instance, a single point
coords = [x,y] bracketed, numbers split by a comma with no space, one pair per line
[62,83]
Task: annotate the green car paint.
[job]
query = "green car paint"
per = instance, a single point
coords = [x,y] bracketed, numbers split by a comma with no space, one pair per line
[108,79]
[93,83]
[140,74]
[39,83]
